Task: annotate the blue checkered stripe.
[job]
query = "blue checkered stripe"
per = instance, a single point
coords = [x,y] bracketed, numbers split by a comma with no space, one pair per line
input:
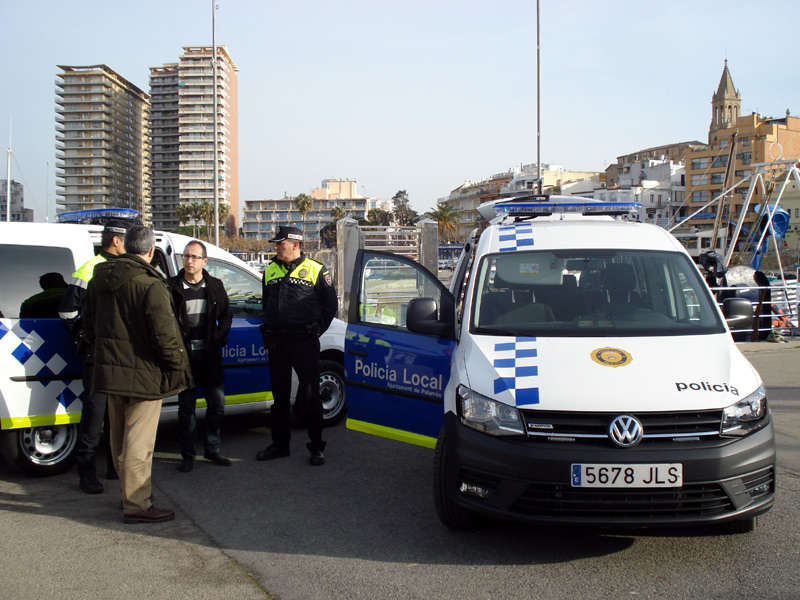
[515,237]
[41,351]
[515,362]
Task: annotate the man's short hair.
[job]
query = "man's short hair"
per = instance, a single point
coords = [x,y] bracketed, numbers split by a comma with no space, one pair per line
[199,243]
[139,240]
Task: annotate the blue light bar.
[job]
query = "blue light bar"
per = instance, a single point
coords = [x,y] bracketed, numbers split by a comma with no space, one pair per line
[97,215]
[534,209]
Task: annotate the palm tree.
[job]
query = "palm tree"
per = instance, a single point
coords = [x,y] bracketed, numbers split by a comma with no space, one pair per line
[303,204]
[447,219]
[377,216]
[337,212]
[205,211]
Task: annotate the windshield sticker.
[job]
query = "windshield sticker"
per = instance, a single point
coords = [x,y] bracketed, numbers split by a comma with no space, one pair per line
[528,269]
[707,387]
[611,357]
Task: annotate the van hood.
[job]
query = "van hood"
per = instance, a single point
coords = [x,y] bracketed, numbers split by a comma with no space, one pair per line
[609,374]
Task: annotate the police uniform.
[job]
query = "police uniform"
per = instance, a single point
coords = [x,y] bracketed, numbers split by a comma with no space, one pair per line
[299,304]
[94,411]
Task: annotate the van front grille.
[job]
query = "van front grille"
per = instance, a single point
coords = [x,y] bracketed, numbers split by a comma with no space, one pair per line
[657,427]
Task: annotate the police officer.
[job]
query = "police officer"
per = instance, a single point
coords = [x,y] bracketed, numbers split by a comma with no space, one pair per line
[299,304]
[94,405]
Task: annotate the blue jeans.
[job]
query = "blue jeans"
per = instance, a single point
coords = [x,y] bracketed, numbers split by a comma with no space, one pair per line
[187,421]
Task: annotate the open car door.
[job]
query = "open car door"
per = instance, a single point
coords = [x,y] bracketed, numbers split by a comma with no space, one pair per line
[400,339]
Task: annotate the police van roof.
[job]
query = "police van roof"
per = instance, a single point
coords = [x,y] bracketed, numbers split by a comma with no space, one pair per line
[569,222]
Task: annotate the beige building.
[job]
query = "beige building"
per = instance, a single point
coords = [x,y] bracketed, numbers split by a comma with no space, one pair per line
[737,145]
[184,97]
[263,217]
[465,199]
[102,141]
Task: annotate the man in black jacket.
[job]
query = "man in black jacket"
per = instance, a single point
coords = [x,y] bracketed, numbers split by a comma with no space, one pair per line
[205,318]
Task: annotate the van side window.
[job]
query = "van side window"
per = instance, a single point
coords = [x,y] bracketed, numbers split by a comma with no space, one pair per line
[20,269]
[243,288]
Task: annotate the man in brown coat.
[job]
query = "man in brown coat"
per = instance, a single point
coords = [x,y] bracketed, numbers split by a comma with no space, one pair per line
[139,359]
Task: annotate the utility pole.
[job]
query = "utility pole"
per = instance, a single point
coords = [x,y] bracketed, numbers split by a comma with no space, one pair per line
[8,175]
[538,101]
[214,108]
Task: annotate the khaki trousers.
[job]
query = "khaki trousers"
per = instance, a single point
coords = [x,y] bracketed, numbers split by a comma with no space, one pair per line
[134,423]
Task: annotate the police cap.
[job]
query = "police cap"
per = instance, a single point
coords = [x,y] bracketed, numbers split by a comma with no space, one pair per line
[287,233]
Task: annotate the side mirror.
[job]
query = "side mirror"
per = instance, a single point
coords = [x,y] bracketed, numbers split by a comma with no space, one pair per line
[421,317]
[738,313]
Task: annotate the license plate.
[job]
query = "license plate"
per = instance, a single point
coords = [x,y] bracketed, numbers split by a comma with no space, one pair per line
[627,476]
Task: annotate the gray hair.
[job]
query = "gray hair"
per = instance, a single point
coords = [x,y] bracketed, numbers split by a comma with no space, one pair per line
[139,240]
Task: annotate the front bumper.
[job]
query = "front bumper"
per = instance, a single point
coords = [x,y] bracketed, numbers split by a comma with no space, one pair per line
[529,480]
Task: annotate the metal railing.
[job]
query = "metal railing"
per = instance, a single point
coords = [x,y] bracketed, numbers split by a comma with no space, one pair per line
[775,309]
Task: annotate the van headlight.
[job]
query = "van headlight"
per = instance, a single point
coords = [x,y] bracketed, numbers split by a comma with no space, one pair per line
[745,416]
[488,416]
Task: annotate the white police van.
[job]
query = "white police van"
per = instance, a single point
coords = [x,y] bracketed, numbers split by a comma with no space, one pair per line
[40,374]
[578,371]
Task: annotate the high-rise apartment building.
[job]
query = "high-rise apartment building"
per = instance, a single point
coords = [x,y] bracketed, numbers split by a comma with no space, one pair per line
[102,142]
[184,97]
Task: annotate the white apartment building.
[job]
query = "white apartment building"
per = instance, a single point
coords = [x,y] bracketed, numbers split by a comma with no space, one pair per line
[102,141]
[184,97]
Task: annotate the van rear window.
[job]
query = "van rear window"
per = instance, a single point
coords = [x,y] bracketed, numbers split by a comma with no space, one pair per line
[592,293]
[21,268]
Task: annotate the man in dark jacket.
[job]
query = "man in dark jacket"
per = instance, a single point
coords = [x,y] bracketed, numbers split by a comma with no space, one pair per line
[204,314]
[299,305]
[139,359]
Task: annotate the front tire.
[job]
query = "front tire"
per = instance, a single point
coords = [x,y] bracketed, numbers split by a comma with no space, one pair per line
[40,451]
[450,513]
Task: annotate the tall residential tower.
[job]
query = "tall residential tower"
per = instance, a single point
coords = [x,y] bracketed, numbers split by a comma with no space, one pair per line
[183,97]
[102,142]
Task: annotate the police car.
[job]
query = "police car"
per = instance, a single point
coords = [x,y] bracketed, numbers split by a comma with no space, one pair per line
[577,371]
[40,385]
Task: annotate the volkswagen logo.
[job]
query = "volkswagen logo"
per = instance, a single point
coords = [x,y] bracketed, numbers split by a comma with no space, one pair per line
[625,431]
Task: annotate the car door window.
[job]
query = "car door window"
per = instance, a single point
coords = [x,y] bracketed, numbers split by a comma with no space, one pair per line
[243,288]
[388,284]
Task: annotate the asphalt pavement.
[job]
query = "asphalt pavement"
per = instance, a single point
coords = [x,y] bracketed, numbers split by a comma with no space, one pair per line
[364,526]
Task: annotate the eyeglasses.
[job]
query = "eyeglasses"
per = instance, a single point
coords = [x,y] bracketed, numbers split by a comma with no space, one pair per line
[193,257]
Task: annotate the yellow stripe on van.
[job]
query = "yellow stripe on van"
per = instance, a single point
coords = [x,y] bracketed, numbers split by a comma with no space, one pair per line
[39,421]
[241,399]
[392,434]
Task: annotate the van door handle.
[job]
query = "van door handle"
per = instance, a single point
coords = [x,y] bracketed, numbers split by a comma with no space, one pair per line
[356,352]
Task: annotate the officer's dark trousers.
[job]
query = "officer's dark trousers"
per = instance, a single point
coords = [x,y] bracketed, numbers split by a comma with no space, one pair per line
[93,414]
[301,352]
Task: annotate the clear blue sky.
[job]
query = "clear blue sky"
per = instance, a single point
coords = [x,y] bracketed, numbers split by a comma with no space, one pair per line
[419,95]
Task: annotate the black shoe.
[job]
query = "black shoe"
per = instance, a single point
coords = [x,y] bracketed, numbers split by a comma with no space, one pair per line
[272,452]
[317,458]
[91,485]
[111,473]
[217,458]
[186,466]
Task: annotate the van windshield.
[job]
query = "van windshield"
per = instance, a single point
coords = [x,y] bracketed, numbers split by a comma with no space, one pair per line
[592,293]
